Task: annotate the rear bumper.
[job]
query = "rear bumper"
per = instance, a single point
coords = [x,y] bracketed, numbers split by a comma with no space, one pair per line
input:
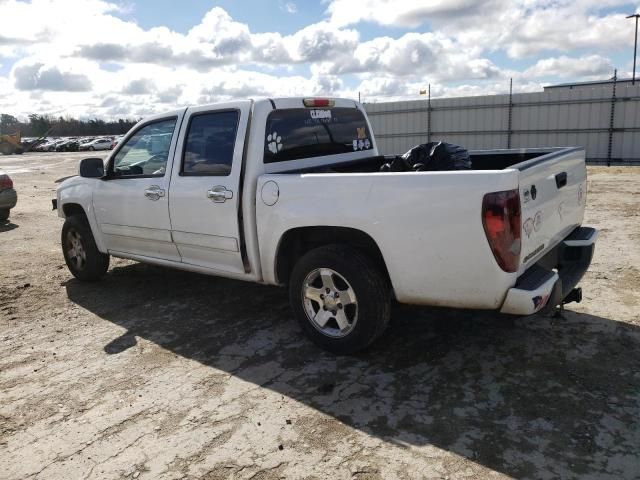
[8,198]
[548,283]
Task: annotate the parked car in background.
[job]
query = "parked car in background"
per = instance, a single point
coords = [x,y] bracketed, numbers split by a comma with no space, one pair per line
[58,142]
[8,196]
[48,145]
[97,144]
[27,142]
[293,191]
[70,145]
[116,140]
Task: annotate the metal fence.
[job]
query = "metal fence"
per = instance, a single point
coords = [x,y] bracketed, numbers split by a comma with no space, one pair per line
[605,120]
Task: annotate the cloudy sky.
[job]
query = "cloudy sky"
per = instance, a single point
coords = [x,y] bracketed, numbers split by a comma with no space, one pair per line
[130,58]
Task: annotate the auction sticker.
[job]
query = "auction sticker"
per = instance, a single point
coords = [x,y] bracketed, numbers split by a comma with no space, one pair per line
[320,114]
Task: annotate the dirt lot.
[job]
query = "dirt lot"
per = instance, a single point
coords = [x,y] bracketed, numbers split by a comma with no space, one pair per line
[154,373]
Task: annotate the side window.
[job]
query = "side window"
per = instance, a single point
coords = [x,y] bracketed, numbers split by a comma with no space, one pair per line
[147,151]
[209,144]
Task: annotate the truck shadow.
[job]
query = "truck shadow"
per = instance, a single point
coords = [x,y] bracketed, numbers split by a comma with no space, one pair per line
[533,398]
[7,226]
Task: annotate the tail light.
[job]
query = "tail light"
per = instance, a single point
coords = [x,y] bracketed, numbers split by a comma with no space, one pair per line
[5,182]
[318,102]
[501,222]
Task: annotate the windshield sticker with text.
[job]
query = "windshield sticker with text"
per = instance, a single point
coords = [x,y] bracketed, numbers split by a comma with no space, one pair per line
[317,114]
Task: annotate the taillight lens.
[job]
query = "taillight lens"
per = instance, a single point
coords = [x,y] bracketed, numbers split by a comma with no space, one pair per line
[5,182]
[318,102]
[501,222]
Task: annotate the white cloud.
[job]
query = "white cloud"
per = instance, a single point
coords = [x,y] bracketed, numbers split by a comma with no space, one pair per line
[321,41]
[224,36]
[521,27]
[565,30]
[404,13]
[415,54]
[39,77]
[270,48]
[141,86]
[591,66]
[290,7]
[91,61]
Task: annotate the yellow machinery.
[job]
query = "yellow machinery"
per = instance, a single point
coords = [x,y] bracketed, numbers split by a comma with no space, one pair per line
[11,144]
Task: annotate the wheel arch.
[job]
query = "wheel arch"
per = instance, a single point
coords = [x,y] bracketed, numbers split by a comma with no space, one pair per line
[75,207]
[295,242]
[72,208]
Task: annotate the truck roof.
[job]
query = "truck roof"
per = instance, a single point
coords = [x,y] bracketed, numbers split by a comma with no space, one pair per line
[276,103]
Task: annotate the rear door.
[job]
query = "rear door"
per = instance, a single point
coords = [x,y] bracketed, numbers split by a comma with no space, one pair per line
[552,198]
[204,195]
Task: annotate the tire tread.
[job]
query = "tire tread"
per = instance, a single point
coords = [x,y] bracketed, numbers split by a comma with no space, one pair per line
[97,262]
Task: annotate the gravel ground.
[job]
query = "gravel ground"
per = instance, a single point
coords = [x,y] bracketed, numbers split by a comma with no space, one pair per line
[154,373]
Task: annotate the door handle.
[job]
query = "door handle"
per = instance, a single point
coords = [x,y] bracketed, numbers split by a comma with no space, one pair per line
[219,194]
[154,192]
[561,179]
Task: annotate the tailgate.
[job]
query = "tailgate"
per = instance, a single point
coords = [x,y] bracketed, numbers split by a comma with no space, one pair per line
[552,197]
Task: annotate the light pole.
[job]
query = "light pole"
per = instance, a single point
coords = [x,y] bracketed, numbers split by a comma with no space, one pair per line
[635,48]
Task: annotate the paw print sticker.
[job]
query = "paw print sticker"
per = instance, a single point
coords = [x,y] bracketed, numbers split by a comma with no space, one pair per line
[273,142]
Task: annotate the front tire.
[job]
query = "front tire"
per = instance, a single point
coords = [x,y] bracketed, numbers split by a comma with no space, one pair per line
[81,254]
[340,298]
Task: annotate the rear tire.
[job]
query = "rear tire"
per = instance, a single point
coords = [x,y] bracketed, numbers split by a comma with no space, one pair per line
[340,298]
[81,254]
[4,214]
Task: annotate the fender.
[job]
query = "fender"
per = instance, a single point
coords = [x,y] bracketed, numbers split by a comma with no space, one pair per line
[78,190]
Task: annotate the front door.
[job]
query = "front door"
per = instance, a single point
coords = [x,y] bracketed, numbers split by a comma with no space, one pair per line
[131,204]
[204,197]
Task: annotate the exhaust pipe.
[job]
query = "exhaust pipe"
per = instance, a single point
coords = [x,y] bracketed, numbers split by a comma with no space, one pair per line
[575,295]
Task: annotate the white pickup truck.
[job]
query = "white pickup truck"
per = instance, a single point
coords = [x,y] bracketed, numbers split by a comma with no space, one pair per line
[289,191]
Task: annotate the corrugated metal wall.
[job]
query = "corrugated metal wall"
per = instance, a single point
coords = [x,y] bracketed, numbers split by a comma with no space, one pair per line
[555,118]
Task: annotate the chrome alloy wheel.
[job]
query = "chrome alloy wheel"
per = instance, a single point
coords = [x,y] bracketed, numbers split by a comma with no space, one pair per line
[330,302]
[75,250]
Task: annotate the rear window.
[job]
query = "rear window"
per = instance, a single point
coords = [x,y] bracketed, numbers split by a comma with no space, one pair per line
[313,132]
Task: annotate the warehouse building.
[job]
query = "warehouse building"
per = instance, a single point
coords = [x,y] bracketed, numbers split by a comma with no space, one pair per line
[601,116]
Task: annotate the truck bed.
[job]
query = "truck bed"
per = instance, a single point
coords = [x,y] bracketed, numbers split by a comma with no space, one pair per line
[519,158]
[428,225]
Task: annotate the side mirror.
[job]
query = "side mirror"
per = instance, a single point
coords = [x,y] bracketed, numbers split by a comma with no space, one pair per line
[92,168]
